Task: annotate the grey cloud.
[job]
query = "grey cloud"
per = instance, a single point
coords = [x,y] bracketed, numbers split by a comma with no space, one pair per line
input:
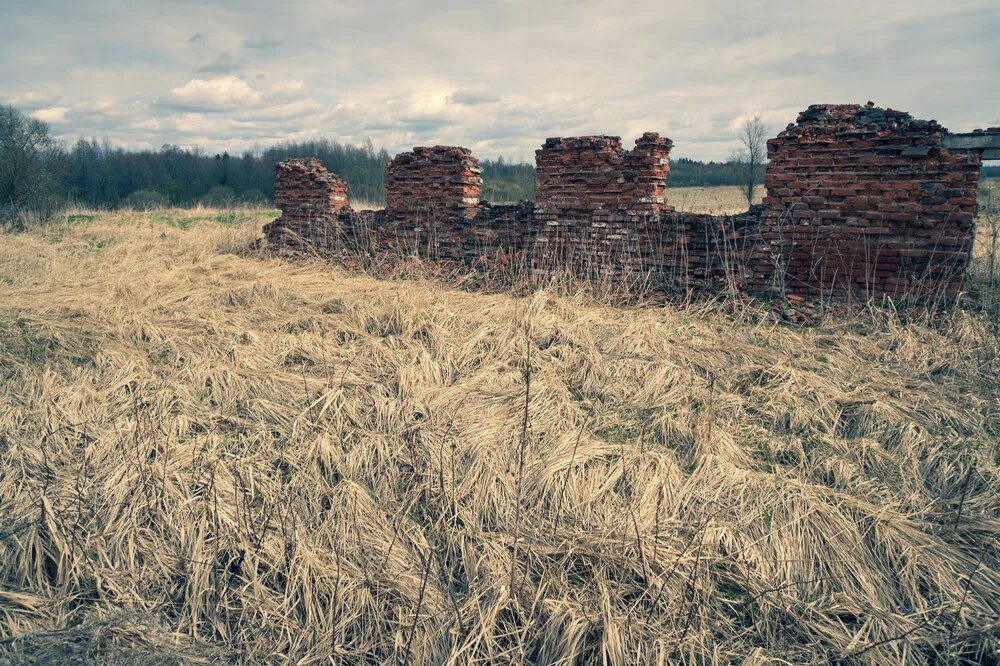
[499,77]
[473,96]
[425,126]
[31,100]
[379,126]
[224,63]
[262,43]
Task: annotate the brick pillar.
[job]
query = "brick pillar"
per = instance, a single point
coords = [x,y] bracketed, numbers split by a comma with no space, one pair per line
[646,169]
[441,181]
[577,176]
[303,184]
[310,199]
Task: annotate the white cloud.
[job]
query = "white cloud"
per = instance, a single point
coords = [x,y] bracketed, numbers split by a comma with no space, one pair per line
[107,105]
[32,100]
[54,115]
[199,123]
[219,94]
[287,90]
[283,111]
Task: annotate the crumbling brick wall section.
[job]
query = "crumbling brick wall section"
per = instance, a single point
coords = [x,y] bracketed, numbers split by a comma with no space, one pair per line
[488,233]
[669,251]
[438,181]
[432,203]
[576,176]
[311,200]
[865,202]
[596,204]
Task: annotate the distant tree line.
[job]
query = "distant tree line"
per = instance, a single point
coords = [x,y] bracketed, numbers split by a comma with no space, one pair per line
[104,176]
[507,181]
[685,172]
[32,165]
[100,175]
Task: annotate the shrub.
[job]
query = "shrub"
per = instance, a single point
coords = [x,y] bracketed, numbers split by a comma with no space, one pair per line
[253,197]
[219,196]
[145,200]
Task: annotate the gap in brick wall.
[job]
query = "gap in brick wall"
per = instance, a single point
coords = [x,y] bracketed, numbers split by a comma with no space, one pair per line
[715,200]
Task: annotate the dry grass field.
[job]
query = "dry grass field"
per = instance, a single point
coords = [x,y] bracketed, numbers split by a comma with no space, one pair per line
[210,454]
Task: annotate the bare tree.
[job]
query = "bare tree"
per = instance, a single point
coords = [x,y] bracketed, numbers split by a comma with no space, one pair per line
[30,164]
[752,157]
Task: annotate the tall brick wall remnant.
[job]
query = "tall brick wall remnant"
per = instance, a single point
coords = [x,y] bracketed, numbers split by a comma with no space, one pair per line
[441,181]
[432,205]
[596,204]
[311,199]
[865,202]
[580,175]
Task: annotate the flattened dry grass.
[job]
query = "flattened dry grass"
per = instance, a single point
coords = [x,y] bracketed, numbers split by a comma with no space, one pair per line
[209,456]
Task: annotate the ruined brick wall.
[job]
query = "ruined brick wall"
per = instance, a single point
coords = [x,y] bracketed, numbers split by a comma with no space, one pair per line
[311,200]
[703,252]
[865,202]
[576,176]
[862,202]
[595,202]
[433,211]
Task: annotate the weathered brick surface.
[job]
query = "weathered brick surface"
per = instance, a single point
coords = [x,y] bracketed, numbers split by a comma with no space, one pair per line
[311,199]
[440,181]
[670,250]
[864,202]
[486,232]
[432,205]
[579,175]
[598,206]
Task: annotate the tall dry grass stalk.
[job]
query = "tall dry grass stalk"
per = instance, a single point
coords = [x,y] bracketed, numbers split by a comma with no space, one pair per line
[207,454]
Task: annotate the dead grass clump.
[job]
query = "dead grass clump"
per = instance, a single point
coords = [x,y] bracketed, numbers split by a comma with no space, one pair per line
[210,456]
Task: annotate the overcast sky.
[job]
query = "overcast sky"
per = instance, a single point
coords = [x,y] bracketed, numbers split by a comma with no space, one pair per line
[497,77]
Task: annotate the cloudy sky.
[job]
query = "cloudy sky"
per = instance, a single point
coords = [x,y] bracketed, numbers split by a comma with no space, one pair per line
[497,77]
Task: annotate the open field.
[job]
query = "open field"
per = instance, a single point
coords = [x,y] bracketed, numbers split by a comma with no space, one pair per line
[722,200]
[208,453]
